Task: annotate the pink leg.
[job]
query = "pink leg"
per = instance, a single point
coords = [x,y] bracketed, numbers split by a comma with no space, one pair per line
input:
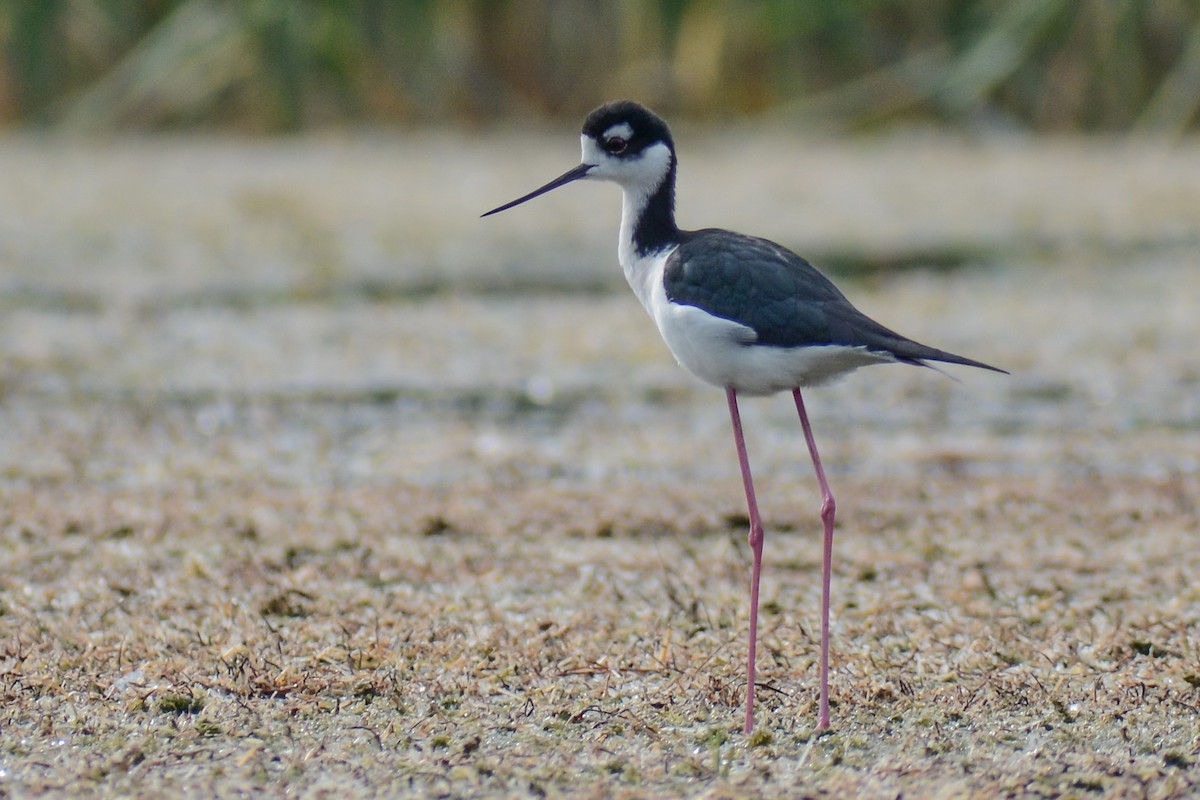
[756,546]
[828,509]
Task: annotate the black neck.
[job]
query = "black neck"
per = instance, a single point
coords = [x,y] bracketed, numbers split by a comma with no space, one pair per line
[655,228]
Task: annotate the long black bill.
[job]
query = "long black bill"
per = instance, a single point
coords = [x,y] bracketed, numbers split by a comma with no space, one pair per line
[565,178]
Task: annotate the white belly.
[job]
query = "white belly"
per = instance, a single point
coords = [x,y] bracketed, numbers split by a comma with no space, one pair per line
[721,352]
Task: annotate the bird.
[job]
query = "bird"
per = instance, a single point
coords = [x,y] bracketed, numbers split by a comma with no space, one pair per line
[739,312]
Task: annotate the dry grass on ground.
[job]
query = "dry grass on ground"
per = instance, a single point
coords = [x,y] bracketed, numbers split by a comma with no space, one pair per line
[311,485]
[1005,639]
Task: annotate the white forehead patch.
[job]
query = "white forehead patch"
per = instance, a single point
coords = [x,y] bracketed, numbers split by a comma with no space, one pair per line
[621,129]
[592,154]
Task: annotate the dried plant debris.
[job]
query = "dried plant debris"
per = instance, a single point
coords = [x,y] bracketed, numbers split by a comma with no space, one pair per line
[985,655]
[264,534]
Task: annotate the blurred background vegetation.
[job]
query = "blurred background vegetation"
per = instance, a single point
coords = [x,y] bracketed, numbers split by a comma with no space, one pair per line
[284,65]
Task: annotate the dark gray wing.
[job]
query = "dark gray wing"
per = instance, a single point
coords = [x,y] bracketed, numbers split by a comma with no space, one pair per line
[780,296]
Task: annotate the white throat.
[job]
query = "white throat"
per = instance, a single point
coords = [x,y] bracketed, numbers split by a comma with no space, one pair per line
[633,203]
[643,271]
[639,178]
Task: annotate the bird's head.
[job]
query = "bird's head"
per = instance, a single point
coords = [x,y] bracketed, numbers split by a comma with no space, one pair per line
[622,142]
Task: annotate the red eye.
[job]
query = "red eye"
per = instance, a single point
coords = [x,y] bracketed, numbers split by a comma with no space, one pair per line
[615,145]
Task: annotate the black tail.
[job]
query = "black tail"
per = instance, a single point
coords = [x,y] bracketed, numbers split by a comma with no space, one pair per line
[910,352]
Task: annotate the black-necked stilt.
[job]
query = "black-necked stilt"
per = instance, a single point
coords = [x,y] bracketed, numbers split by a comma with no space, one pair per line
[739,312]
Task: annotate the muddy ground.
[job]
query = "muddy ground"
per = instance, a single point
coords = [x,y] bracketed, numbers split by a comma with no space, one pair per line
[313,484]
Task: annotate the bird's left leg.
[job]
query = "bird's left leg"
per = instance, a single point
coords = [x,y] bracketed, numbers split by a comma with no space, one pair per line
[828,510]
[756,547]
